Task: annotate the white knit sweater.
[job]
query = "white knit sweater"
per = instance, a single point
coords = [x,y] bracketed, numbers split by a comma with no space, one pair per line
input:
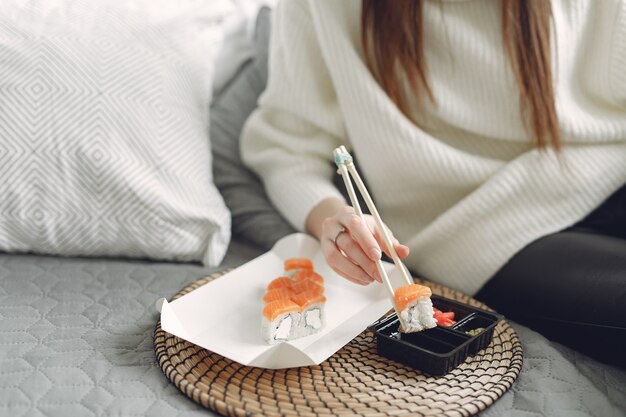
[467,191]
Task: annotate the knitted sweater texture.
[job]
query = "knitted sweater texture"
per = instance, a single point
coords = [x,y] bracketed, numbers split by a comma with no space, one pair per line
[463,187]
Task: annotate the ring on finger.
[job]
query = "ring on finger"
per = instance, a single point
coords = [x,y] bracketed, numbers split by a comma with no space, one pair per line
[343,230]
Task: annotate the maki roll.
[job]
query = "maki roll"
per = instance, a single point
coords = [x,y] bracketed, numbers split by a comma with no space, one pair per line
[295,265]
[312,317]
[307,286]
[281,318]
[294,303]
[277,293]
[308,275]
[414,307]
[281,282]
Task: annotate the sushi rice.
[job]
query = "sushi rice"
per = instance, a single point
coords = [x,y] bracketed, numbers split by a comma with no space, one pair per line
[418,316]
[294,325]
[294,303]
[282,328]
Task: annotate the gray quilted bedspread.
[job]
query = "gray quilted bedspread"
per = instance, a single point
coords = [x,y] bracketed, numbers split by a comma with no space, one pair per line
[76,340]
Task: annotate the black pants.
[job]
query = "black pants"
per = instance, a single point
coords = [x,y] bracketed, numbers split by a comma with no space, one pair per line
[571,286]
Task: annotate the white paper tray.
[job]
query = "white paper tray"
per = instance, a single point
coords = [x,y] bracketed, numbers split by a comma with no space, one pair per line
[224,316]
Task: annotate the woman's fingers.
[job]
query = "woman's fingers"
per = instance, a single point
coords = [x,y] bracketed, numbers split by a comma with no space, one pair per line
[342,265]
[401,250]
[360,232]
[352,246]
[354,253]
[343,253]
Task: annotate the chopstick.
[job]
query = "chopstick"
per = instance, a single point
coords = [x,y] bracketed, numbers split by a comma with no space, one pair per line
[346,167]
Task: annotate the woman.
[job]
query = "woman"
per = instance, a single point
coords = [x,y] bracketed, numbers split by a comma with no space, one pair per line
[485,129]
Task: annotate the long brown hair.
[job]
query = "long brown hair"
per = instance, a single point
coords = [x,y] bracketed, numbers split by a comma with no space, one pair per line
[392,35]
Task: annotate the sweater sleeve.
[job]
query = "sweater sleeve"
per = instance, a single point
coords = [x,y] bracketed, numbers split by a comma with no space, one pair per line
[289,139]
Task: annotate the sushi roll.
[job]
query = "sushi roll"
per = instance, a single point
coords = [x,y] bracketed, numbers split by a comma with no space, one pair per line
[414,307]
[277,293]
[281,282]
[281,319]
[308,275]
[307,286]
[294,265]
[312,317]
[294,303]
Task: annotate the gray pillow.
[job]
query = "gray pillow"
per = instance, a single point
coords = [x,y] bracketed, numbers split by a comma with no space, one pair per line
[254,218]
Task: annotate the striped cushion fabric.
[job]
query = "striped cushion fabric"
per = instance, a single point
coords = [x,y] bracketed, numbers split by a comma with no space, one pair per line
[104,147]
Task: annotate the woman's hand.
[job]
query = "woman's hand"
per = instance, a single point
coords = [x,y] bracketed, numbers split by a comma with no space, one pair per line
[350,245]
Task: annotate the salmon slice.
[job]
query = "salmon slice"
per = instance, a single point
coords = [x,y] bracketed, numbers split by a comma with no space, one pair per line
[277,293]
[281,282]
[407,293]
[307,285]
[306,298]
[306,274]
[277,307]
[302,274]
[298,263]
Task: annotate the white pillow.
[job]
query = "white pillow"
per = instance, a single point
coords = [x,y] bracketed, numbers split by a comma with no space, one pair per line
[104,146]
[237,47]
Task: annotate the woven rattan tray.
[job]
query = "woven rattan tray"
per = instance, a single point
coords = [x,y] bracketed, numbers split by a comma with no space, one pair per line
[354,381]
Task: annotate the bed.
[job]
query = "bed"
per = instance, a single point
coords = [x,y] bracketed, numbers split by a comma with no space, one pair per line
[76,339]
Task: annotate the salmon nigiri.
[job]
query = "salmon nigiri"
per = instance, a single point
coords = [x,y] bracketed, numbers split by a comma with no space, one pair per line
[415,308]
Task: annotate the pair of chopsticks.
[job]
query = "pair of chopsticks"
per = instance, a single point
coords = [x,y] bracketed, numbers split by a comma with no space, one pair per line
[344,162]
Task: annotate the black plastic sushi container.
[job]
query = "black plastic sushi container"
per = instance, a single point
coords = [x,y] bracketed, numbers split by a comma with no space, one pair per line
[439,350]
